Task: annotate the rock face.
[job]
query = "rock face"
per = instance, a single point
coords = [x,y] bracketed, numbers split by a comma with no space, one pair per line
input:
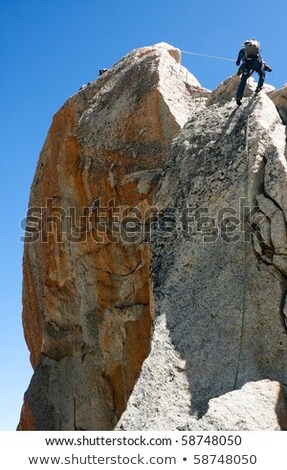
[257,406]
[87,290]
[154,293]
[219,268]
[227,89]
[279,97]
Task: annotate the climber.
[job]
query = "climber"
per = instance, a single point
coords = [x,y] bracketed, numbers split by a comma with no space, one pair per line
[252,61]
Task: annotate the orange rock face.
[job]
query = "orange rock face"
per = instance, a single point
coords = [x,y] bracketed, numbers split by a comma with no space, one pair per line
[87,291]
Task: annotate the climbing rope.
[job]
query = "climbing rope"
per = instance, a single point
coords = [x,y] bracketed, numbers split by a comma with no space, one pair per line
[245,243]
[245,247]
[208,56]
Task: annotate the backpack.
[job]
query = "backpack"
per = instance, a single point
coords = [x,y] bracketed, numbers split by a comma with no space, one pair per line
[251,48]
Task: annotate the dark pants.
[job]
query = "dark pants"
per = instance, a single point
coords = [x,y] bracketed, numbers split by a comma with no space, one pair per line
[247,69]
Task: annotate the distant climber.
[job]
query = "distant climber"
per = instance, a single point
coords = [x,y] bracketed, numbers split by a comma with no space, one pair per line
[252,61]
[102,71]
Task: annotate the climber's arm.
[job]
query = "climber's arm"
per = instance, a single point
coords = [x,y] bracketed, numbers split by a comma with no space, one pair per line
[267,68]
[240,56]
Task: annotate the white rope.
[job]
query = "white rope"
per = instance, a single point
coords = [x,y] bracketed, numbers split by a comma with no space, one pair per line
[245,253]
[208,56]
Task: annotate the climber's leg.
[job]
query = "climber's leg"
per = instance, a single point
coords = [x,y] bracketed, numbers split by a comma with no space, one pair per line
[262,75]
[241,87]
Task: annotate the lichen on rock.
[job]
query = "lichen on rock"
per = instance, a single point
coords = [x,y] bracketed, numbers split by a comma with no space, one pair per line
[87,292]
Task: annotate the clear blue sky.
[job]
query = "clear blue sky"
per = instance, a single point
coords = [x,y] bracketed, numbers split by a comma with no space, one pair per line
[48,49]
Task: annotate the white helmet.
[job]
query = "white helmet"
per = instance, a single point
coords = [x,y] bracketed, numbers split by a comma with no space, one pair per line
[252,42]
